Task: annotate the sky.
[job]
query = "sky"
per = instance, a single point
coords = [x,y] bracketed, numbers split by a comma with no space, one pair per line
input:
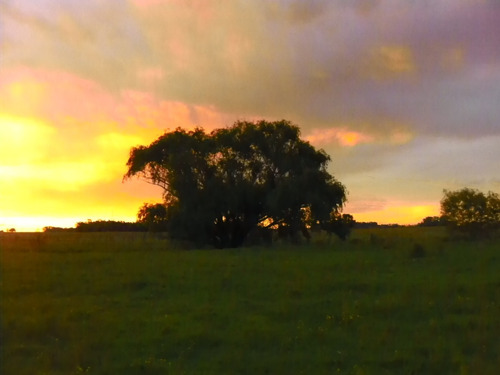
[404,96]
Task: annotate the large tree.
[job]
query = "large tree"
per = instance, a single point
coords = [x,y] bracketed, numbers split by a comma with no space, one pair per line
[220,186]
[471,212]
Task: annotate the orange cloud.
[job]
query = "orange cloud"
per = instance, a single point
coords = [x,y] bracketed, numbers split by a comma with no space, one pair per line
[350,138]
[342,136]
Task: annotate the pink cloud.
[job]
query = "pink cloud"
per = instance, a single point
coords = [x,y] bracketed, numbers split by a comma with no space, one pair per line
[64,99]
[58,95]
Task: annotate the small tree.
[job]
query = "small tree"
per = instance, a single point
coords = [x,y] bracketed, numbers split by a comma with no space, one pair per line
[471,212]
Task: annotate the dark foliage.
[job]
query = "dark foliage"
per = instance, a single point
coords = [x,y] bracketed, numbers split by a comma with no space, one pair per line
[220,186]
[154,217]
[366,225]
[433,221]
[57,229]
[341,225]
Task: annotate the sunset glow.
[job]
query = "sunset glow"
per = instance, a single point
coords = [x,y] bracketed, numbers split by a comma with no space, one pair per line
[402,96]
[399,213]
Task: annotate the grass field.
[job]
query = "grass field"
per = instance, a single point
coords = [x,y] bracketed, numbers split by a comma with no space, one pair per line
[387,301]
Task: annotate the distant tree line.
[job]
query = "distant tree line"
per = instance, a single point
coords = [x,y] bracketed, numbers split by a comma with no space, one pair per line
[101,226]
[51,229]
[374,224]
[110,226]
[433,221]
[10,230]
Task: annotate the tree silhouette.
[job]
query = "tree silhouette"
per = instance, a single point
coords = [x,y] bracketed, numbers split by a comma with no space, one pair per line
[220,186]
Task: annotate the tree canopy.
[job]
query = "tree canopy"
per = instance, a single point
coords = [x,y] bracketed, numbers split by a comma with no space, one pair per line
[220,186]
[471,212]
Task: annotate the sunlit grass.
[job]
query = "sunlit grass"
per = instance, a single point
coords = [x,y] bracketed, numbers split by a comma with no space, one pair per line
[127,303]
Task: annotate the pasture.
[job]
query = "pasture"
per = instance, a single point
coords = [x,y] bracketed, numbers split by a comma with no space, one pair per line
[387,301]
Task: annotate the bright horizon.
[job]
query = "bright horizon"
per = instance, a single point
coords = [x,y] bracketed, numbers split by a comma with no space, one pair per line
[402,95]
[36,224]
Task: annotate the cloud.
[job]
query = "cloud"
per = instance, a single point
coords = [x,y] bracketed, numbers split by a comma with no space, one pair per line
[95,40]
[317,62]
[390,61]
[341,135]
[299,12]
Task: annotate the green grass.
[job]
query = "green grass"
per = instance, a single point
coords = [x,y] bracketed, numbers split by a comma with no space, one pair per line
[125,304]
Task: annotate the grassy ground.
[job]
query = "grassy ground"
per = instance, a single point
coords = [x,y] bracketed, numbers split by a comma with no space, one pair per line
[388,301]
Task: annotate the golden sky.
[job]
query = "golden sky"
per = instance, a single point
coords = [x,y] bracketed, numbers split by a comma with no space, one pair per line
[402,95]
